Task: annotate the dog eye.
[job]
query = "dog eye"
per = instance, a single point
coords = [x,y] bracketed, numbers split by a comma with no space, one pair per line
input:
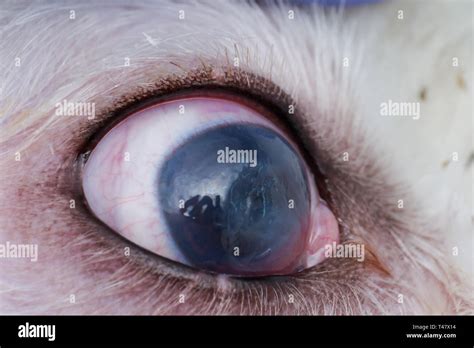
[213,183]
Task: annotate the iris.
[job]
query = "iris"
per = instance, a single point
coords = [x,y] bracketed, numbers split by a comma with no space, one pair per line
[231,216]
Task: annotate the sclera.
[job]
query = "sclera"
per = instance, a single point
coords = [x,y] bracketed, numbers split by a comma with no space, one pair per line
[120,175]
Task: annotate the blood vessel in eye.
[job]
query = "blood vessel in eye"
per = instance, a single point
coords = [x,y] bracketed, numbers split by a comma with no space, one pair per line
[236,199]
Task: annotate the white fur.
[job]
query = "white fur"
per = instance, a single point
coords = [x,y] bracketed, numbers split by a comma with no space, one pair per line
[82,59]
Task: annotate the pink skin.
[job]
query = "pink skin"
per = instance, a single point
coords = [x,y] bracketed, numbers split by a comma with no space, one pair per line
[324,231]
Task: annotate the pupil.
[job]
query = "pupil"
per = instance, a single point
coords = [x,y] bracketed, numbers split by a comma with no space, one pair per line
[225,196]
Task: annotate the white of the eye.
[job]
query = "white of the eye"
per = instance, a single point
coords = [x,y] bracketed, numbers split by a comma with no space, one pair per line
[120,176]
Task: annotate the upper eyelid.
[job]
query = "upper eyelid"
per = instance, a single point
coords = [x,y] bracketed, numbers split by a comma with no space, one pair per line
[261,91]
[203,79]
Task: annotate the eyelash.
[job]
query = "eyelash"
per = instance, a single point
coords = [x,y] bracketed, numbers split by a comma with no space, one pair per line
[235,84]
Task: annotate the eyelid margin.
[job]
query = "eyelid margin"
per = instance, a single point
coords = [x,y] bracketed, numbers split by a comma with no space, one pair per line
[233,81]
